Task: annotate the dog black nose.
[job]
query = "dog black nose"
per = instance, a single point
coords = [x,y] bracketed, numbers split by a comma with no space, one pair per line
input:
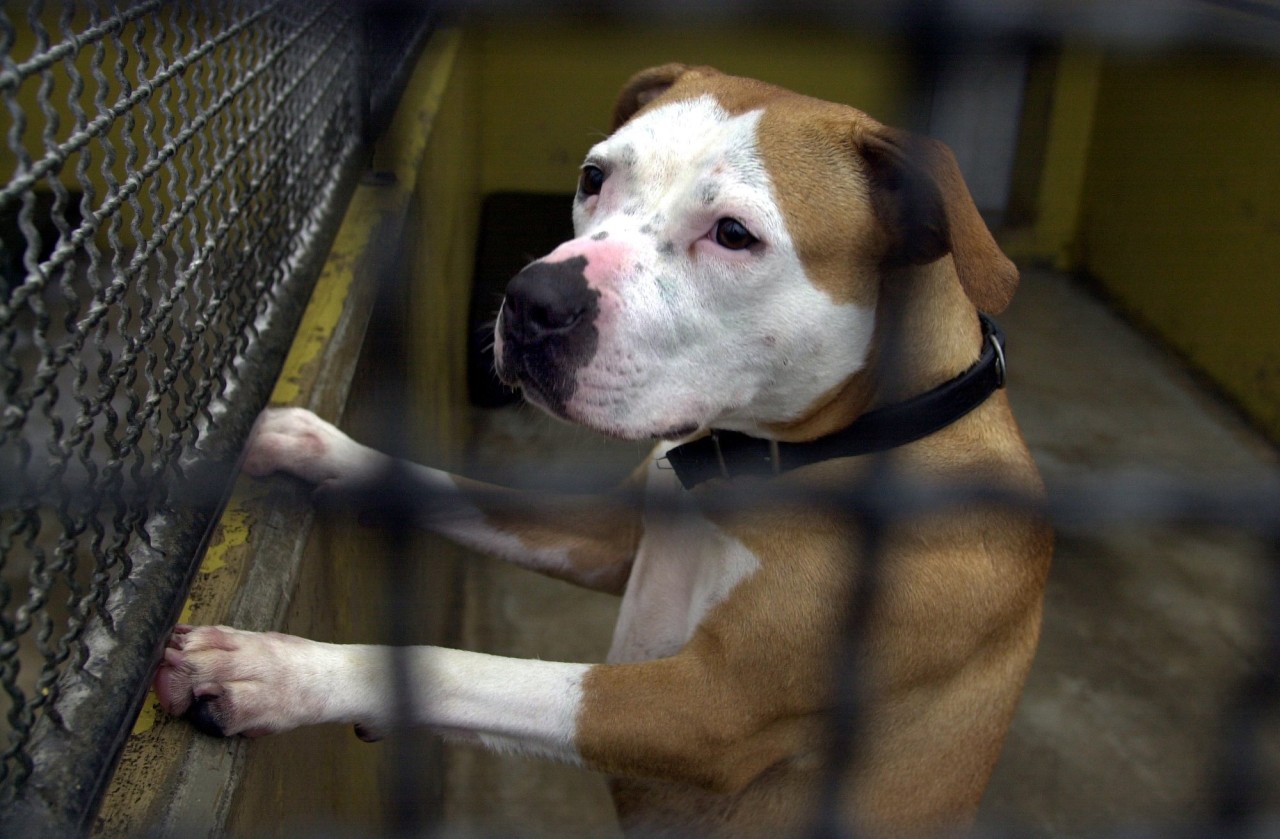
[548,329]
[546,300]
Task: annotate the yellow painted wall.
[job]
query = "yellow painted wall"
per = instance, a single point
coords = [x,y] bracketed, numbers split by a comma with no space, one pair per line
[445,213]
[1052,236]
[48,102]
[1180,211]
[549,88]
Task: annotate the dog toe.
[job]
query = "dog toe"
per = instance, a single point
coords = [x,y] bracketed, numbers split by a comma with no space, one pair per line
[172,682]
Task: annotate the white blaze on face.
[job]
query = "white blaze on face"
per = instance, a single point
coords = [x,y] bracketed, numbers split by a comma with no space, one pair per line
[692,333]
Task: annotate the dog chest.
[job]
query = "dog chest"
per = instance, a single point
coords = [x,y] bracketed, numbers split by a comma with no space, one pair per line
[685,565]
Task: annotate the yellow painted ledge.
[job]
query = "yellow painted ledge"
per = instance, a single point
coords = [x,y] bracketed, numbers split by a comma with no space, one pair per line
[372,208]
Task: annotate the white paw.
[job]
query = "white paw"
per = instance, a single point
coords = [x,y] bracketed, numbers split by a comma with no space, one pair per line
[232,682]
[296,441]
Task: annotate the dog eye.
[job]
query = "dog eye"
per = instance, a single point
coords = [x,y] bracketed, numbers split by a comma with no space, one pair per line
[733,234]
[591,181]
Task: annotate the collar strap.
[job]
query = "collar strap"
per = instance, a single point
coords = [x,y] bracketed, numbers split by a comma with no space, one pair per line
[731,454]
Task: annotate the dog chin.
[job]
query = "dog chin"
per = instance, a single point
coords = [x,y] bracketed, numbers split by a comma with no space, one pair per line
[608,426]
[678,432]
[631,433]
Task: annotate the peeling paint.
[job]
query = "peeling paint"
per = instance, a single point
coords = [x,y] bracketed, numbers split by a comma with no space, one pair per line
[233,531]
[147,716]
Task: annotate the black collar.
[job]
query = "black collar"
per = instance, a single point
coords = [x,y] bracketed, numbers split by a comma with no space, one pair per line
[730,454]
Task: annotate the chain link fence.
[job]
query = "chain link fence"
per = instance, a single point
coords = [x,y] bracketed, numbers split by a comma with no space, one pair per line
[170,177]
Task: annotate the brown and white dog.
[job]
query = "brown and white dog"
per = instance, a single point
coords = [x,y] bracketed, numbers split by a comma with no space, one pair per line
[744,255]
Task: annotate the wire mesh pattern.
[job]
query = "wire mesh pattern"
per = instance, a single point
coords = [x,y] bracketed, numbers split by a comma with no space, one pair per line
[168,174]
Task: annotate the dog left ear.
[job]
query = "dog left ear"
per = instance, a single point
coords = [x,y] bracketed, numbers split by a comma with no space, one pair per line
[921,199]
[648,85]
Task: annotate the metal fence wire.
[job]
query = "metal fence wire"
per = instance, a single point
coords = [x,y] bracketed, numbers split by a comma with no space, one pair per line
[170,177]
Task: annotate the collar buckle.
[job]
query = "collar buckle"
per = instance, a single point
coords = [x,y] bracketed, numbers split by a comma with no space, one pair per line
[715,441]
[1000,364]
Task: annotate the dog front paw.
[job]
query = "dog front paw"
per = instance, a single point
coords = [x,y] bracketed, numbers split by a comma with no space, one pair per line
[296,441]
[230,682]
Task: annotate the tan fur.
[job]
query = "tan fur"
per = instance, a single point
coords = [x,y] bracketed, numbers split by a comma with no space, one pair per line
[728,735]
[600,534]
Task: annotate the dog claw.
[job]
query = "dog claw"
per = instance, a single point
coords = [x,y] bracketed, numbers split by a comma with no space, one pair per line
[367,734]
[204,719]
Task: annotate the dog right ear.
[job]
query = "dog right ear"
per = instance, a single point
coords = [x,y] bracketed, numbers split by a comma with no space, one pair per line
[922,201]
[642,89]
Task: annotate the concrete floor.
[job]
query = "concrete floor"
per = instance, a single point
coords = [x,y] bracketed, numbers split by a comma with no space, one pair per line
[1146,631]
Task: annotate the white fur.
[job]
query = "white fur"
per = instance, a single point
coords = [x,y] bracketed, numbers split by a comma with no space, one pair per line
[684,567]
[518,705]
[692,335]
[297,441]
[269,682]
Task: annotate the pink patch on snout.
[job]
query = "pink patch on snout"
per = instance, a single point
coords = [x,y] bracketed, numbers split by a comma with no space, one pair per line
[606,260]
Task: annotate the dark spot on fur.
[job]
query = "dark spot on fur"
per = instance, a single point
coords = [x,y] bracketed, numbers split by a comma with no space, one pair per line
[667,288]
[709,193]
[601,236]
[667,248]
[205,718]
[654,224]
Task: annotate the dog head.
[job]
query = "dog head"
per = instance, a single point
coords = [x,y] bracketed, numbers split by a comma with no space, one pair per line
[732,243]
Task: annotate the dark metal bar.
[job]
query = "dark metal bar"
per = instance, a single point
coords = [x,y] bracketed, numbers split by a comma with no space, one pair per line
[1239,786]
[395,512]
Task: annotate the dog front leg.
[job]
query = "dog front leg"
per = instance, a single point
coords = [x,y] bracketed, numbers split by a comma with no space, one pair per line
[668,719]
[234,682]
[587,540]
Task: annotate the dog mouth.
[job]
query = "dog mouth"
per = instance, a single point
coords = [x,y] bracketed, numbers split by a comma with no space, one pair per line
[575,414]
[554,387]
[535,395]
[618,429]
[543,383]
